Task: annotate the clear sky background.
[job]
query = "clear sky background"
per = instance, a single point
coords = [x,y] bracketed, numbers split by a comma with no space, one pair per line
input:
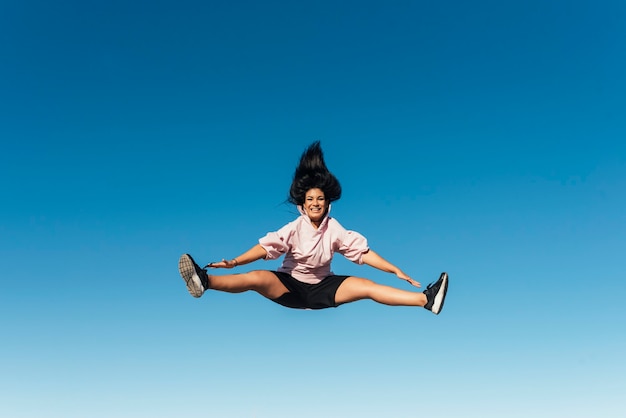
[486,139]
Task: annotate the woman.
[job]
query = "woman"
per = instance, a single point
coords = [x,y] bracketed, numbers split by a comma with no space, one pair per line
[304,279]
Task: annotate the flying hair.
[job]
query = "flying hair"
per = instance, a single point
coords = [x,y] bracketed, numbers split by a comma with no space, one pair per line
[312,173]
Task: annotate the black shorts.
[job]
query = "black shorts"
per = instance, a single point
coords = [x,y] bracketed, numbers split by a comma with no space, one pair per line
[309,296]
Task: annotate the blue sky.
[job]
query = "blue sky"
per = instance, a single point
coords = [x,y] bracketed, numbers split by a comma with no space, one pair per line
[484,138]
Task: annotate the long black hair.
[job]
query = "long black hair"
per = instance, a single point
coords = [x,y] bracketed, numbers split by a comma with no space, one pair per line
[312,173]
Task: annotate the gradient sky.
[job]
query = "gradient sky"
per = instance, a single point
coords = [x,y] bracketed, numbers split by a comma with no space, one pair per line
[486,139]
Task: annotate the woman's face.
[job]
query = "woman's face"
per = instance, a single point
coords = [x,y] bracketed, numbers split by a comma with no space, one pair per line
[315,205]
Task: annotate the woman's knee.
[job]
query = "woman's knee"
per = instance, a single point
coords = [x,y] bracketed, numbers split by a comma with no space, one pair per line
[354,288]
[266,283]
[253,280]
[366,287]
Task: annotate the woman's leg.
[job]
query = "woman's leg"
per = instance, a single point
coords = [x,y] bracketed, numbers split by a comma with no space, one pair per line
[355,288]
[261,281]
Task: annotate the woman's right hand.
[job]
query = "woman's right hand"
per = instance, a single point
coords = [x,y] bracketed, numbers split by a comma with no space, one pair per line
[224,264]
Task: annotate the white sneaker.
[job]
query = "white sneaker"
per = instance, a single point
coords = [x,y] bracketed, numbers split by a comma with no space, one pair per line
[196,279]
[436,294]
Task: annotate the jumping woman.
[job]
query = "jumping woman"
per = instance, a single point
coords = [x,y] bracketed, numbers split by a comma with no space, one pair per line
[304,280]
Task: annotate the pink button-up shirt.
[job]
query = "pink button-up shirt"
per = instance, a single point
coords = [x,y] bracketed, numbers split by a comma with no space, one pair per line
[309,251]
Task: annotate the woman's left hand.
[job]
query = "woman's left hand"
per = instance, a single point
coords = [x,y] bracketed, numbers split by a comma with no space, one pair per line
[412,282]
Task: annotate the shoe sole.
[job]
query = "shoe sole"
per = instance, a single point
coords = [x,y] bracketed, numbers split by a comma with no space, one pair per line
[188,273]
[441,294]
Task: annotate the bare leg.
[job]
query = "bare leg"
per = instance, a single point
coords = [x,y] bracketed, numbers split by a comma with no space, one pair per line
[261,281]
[355,288]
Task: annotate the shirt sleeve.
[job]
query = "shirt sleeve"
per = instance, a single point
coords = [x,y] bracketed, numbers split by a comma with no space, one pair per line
[276,243]
[352,246]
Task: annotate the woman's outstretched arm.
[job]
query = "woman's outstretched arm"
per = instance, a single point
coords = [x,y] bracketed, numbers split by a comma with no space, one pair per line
[253,254]
[371,258]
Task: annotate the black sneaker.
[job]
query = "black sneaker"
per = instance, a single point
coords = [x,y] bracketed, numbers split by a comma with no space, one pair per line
[197,279]
[436,294]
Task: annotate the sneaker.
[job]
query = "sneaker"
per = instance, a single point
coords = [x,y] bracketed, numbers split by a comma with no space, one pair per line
[197,279]
[436,294]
